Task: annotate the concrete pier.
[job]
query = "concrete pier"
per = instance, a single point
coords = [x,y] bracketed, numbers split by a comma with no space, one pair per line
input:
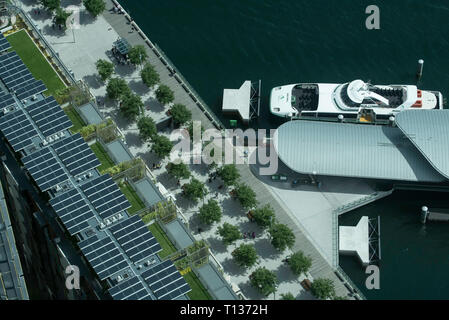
[355,240]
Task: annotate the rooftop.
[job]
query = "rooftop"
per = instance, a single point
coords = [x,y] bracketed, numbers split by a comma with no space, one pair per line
[90,206]
[353,150]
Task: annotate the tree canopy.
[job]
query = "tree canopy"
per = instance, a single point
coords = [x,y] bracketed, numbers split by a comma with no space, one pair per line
[229,174]
[246,196]
[229,233]
[264,216]
[287,296]
[61,17]
[178,170]
[282,236]
[105,69]
[245,255]
[195,189]
[95,7]
[164,94]
[137,54]
[323,288]
[51,5]
[149,75]
[117,88]
[147,128]
[180,114]
[210,212]
[162,146]
[264,281]
[299,263]
[131,106]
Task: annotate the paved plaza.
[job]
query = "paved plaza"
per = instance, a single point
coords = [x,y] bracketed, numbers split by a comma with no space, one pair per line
[311,221]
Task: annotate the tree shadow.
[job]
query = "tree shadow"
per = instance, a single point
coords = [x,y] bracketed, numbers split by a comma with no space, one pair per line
[217,244]
[154,105]
[138,87]
[123,70]
[285,274]
[133,139]
[233,268]
[86,18]
[93,81]
[250,292]
[266,250]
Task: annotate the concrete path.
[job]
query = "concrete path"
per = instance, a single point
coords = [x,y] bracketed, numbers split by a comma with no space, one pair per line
[80,49]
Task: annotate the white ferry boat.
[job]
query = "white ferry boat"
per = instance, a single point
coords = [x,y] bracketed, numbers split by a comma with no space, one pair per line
[357,100]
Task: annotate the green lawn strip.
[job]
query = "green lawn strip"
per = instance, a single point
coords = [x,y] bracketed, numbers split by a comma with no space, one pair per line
[39,67]
[198,292]
[167,247]
[77,121]
[133,198]
[101,154]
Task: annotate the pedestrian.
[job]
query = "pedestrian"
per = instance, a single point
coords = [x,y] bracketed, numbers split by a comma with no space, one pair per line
[154,165]
[244,235]
[179,182]
[254,235]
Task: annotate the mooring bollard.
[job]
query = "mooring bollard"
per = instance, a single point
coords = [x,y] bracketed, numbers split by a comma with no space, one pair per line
[420,68]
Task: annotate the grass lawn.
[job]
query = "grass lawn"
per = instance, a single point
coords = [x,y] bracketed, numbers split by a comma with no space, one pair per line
[39,67]
[77,121]
[198,291]
[101,154]
[167,247]
[133,198]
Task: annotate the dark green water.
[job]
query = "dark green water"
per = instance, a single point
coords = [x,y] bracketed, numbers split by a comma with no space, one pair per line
[218,44]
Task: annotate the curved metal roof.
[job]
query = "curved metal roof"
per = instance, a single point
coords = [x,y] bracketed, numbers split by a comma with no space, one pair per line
[351,150]
[429,132]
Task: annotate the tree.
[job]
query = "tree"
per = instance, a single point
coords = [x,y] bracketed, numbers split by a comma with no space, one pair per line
[245,255]
[95,7]
[61,17]
[299,263]
[178,170]
[197,126]
[287,296]
[282,236]
[51,5]
[210,212]
[105,69]
[323,288]
[195,189]
[149,75]
[162,146]
[229,174]
[180,114]
[246,196]
[264,216]
[131,106]
[164,94]
[117,88]
[264,281]
[229,233]
[147,128]
[137,55]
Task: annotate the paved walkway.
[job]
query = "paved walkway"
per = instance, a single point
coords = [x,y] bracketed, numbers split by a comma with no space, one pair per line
[80,50]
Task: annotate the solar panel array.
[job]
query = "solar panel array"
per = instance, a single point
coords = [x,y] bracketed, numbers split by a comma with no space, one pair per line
[49,116]
[76,155]
[16,76]
[73,210]
[103,255]
[6,99]
[105,196]
[4,44]
[130,289]
[45,169]
[165,281]
[17,129]
[135,238]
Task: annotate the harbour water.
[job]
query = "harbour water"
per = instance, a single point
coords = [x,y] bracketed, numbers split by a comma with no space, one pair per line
[219,44]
